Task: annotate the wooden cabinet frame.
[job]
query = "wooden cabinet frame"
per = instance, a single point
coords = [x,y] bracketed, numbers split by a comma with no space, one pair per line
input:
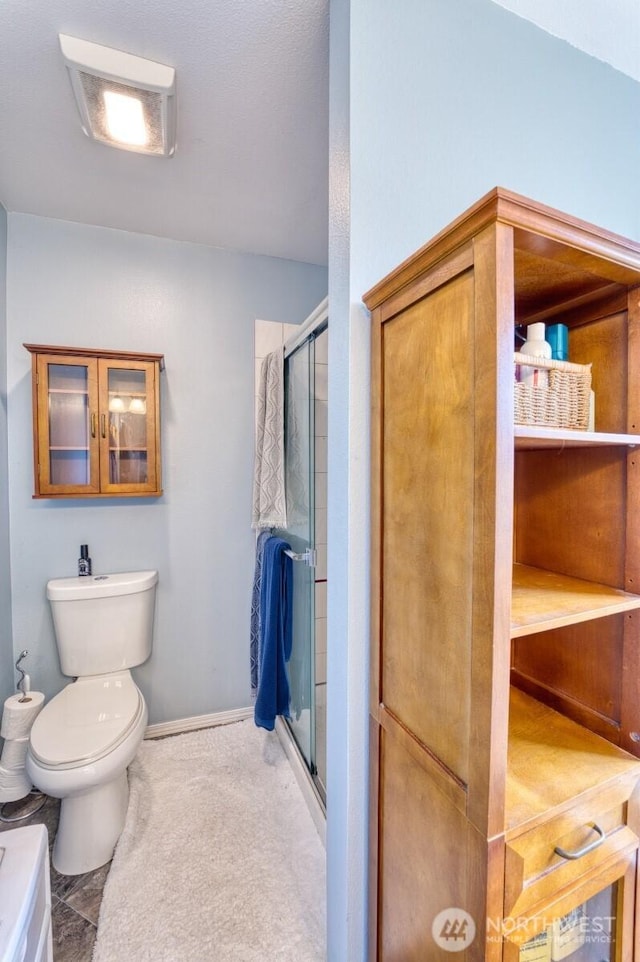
[100,443]
[501,556]
[41,446]
[621,873]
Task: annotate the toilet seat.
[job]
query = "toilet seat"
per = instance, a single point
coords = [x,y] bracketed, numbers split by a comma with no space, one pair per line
[86,720]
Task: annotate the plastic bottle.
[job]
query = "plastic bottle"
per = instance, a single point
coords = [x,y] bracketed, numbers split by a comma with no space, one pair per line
[535,346]
[84,562]
[557,336]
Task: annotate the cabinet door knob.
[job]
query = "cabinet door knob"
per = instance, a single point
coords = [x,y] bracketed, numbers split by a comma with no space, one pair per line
[93,425]
[587,848]
[103,419]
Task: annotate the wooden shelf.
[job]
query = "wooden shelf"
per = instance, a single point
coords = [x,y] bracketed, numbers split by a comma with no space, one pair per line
[67,390]
[552,761]
[69,447]
[543,599]
[532,438]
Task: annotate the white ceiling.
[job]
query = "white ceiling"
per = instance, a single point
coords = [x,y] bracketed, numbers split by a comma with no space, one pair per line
[251,167]
[250,171]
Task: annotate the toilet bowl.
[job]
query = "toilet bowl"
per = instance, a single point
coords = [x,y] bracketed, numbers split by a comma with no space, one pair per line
[79,752]
[84,739]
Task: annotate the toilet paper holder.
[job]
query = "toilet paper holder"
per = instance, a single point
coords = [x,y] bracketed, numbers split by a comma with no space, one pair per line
[34,799]
[24,685]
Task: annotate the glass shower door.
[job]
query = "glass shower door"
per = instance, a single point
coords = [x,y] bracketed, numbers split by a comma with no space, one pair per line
[299,473]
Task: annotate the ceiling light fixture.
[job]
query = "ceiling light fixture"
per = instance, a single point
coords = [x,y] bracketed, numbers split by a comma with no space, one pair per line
[124,101]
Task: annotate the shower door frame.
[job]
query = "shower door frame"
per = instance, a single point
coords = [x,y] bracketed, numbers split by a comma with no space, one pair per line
[315,324]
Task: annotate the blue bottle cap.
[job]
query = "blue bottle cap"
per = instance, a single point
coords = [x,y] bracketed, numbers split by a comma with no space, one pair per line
[557,335]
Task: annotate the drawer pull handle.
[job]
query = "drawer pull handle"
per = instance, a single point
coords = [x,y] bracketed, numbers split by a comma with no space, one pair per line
[582,851]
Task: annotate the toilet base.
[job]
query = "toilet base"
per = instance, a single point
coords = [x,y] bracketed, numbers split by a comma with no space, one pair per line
[90,825]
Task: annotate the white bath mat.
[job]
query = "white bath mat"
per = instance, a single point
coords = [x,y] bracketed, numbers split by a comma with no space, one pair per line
[219,860]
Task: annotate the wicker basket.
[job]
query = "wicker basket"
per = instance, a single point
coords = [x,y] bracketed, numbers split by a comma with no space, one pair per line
[564,403]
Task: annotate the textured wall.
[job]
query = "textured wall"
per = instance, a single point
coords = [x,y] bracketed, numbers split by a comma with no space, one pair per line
[608,31]
[450,100]
[94,287]
[7,679]
[432,104]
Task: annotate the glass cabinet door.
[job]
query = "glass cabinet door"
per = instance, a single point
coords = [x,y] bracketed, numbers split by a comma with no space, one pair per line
[598,928]
[67,455]
[127,426]
[96,422]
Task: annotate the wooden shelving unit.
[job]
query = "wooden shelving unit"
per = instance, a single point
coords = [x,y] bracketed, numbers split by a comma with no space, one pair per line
[505,669]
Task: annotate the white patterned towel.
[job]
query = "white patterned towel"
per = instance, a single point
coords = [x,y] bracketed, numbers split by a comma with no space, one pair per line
[269,502]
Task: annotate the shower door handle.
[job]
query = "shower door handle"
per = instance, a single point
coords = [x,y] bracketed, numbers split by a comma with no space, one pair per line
[307,557]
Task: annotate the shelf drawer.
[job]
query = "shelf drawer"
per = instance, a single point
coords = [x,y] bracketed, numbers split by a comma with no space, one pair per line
[534,871]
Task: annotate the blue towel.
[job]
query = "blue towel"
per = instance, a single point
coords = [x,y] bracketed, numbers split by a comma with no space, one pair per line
[254,646]
[276,633]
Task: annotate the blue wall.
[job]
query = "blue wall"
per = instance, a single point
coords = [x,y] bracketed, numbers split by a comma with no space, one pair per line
[91,287]
[451,99]
[7,679]
[432,104]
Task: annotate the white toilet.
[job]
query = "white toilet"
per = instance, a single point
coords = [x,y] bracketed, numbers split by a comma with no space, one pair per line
[85,737]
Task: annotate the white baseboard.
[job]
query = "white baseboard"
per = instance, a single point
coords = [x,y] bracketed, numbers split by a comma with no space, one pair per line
[181,725]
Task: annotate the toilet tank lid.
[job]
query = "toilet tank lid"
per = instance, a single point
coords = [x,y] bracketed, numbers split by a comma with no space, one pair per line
[100,586]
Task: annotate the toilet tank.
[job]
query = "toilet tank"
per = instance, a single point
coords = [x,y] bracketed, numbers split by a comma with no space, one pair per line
[103,623]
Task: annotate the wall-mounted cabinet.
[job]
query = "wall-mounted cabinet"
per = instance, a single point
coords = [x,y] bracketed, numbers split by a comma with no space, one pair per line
[96,422]
[505,692]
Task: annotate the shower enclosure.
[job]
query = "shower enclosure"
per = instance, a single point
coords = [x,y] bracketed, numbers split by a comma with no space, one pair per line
[305,373]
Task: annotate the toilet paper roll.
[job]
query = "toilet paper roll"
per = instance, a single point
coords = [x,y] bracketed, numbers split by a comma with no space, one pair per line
[14,753]
[18,716]
[13,786]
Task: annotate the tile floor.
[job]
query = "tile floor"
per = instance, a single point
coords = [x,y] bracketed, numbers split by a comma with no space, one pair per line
[75,899]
